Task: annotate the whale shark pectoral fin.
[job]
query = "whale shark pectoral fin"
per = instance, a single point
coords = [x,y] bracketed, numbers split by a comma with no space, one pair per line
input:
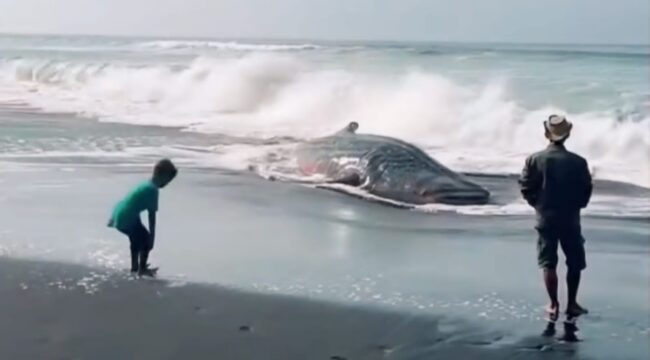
[351,179]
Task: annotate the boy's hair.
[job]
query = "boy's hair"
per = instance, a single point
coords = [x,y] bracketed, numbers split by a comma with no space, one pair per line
[165,167]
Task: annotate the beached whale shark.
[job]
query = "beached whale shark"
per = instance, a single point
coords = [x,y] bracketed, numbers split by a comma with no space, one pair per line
[386,167]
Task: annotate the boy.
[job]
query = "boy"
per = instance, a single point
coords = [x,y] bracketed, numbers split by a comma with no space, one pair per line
[126,215]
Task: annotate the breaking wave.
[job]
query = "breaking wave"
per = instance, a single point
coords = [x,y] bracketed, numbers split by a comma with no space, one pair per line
[474,128]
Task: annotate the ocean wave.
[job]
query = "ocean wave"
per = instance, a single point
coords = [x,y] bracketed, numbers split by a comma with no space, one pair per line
[222,45]
[481,128]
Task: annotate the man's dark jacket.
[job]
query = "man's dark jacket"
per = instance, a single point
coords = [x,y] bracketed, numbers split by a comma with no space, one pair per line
[557,183]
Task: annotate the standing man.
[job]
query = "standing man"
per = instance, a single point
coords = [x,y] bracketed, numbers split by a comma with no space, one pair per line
[557,183]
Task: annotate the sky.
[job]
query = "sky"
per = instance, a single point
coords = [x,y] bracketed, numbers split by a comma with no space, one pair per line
[531,21]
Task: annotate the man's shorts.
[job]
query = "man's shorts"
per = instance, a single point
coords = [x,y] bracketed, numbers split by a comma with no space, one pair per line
[570,239]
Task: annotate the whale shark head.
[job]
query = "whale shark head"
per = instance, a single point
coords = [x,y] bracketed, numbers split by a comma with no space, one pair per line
[408,174]
[428,187]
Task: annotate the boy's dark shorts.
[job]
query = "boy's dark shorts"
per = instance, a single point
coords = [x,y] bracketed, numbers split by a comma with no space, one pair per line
[570,239]
[139,237]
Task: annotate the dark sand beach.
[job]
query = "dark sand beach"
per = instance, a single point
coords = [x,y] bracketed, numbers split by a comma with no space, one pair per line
[60,311]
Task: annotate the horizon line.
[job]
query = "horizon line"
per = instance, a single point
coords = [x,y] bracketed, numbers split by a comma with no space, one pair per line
[316,39]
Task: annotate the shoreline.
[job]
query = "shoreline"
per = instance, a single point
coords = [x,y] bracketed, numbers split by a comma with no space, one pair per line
[75,312]
[487,178]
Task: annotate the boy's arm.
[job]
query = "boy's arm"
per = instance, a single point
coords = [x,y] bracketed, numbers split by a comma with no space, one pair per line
[153,208]
[152,225]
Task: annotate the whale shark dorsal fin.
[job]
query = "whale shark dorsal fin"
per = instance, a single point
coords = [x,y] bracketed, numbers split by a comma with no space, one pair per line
[350,128]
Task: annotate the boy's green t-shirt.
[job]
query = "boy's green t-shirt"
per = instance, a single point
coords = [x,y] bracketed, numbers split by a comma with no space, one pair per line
[127,212]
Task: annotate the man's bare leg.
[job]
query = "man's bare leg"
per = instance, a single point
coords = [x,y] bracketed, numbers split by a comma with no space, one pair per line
[573,283]
[550,280]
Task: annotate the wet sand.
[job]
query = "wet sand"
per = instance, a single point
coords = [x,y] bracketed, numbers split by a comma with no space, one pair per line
[235,229]
[60,311]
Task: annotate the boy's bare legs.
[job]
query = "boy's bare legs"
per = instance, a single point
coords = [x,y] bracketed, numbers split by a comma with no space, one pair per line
[134,261]
[144,270]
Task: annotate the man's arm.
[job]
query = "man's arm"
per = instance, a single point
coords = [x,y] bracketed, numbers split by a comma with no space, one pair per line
[529,182]
[587,182]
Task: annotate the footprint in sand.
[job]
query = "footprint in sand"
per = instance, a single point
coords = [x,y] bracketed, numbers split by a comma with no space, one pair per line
[245,328]
[385,349]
